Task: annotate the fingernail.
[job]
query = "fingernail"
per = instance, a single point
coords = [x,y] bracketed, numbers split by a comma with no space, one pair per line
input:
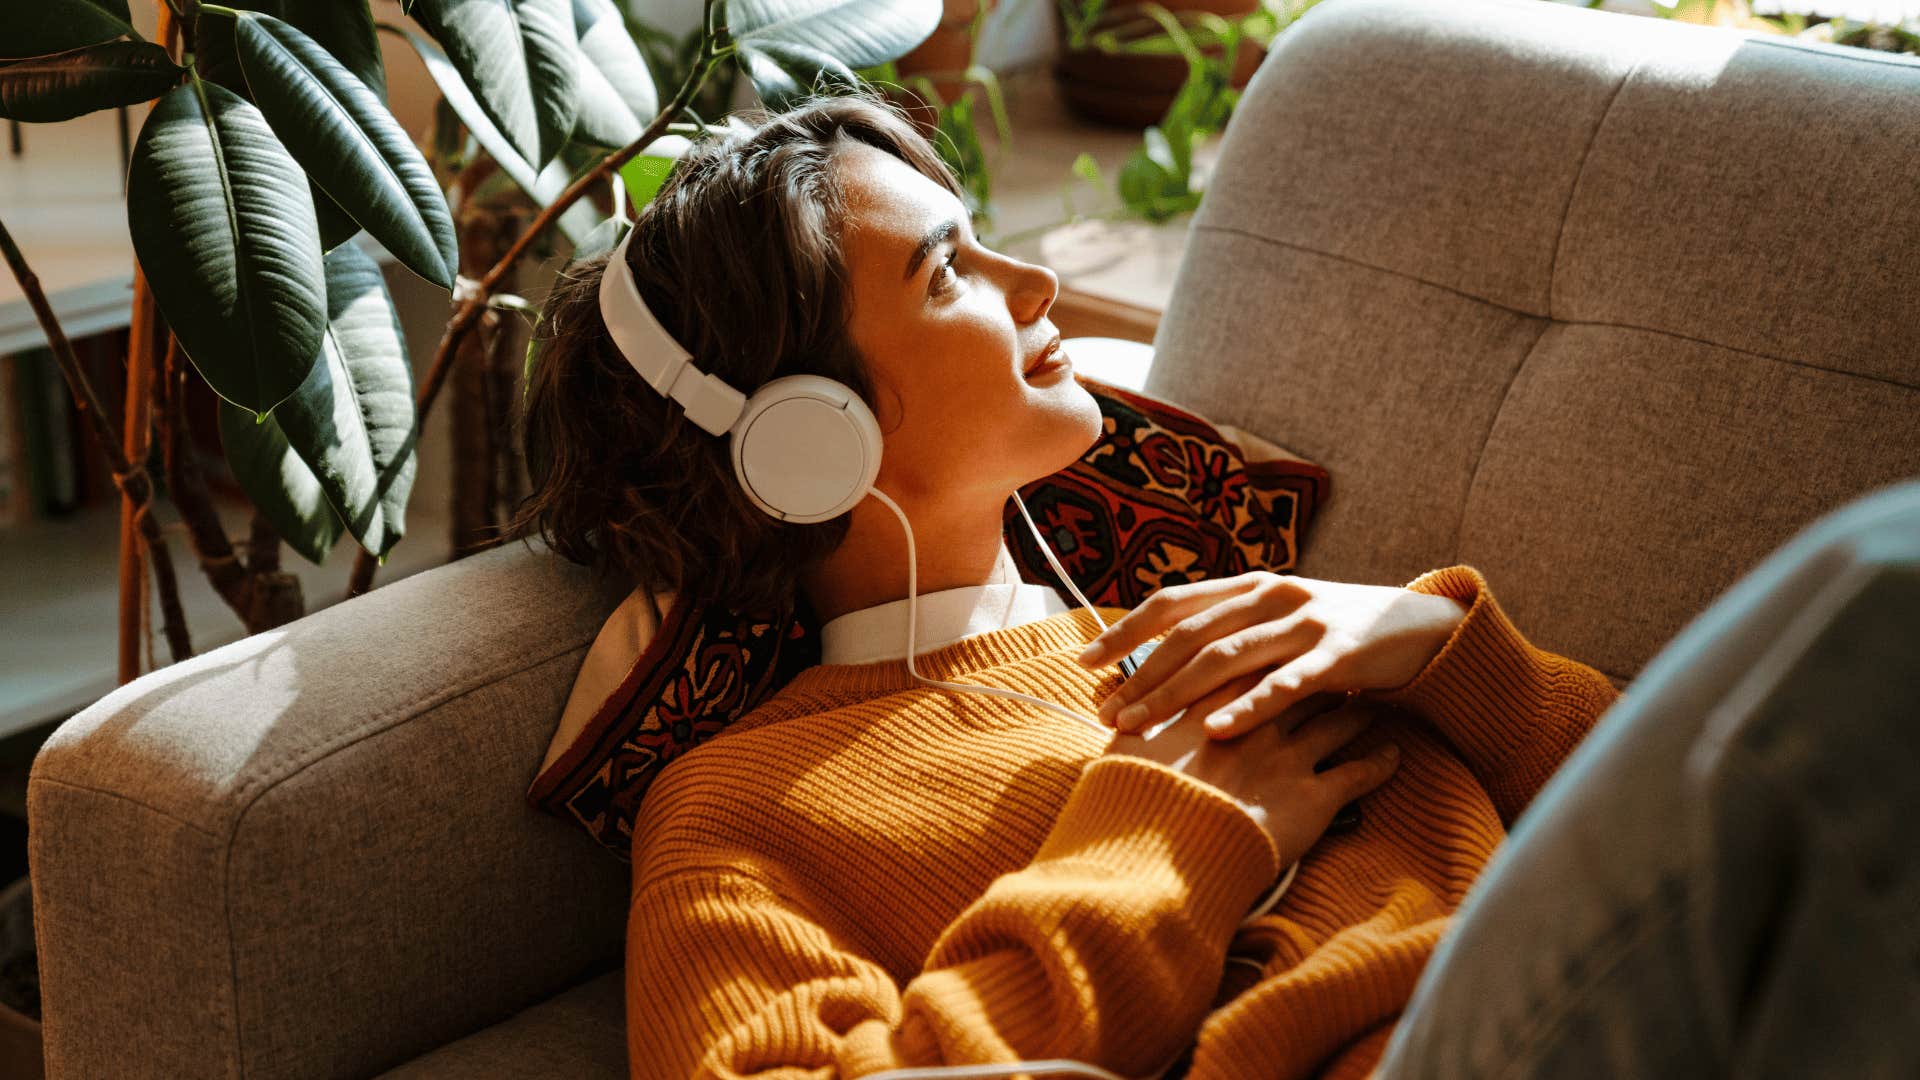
[1086,656]
[1218,722]
[1131,715]
[1393,751]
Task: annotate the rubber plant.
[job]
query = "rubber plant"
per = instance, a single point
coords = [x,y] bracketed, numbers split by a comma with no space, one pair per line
[268,145]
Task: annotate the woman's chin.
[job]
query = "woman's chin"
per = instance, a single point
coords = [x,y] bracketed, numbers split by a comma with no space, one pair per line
[1073,425]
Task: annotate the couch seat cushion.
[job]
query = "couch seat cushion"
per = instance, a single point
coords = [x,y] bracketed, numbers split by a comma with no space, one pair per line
[579,1034]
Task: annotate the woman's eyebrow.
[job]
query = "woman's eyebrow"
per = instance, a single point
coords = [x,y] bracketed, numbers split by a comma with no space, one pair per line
[933,239]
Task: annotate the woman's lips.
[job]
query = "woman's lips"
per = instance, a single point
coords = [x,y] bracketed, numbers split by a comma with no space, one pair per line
[1055,360]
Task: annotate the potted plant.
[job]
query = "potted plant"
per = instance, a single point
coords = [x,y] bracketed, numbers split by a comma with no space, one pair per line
[1118,65]
[941,85]
[1826,22]
[947,54]
[243,191]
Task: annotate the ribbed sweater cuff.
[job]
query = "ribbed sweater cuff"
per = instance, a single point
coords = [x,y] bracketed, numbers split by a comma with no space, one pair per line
[1145,821]
[1486,684]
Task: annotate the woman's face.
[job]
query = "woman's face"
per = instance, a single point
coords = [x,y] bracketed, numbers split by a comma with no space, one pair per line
[949,330]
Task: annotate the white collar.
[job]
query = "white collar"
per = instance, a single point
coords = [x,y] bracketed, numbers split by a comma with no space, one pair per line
[941,618]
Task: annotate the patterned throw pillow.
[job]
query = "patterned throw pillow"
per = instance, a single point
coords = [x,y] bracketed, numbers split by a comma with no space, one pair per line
[1162,498]
[699,667]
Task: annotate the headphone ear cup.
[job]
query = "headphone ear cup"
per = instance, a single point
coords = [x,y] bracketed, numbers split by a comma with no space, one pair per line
[806,448]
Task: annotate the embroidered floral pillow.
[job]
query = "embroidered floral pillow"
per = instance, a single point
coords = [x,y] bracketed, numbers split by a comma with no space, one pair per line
[1162,498]
[653,686]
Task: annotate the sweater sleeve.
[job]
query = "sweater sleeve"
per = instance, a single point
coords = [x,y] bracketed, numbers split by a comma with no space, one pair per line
[1106,947]
[1513,711]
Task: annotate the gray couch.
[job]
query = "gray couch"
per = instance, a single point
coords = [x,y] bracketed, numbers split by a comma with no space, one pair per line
[1605,306]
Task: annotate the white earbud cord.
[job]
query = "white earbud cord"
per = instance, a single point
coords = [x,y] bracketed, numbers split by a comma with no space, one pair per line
[1052,1066]
[913,590]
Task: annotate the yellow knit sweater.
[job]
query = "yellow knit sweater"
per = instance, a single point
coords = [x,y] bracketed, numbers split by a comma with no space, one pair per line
[866,872]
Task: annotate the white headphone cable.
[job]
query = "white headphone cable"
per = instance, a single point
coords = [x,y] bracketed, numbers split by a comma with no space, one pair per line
[913,589]
[1047,550]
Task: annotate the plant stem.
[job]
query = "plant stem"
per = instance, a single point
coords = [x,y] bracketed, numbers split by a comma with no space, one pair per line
[475,302]
[135,441]
[187,485]
[131,479]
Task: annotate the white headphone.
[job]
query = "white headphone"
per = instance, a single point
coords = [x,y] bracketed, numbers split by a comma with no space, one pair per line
[805,447]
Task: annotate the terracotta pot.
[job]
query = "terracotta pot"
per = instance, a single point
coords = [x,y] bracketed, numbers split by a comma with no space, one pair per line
[1136,91]
[947,51]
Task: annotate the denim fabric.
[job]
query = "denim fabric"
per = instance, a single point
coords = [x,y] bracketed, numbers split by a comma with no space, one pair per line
[1721,879]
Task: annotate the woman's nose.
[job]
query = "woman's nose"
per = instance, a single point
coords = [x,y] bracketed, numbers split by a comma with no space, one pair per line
[1033,292]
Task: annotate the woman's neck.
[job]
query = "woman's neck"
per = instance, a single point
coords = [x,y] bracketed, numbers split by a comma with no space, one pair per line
[958,542]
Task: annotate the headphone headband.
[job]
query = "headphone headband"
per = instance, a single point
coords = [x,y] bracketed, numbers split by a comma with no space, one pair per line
[660,360]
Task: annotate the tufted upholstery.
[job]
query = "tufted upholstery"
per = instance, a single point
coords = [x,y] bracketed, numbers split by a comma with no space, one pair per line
[1606,306]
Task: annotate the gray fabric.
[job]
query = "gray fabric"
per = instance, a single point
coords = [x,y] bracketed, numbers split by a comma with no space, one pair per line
[577,1035]
[1438,140]
[1630,477]
[1759,194]
[307,853]
[1389,383]
[1605,306]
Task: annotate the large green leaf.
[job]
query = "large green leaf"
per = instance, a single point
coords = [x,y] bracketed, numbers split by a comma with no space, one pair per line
[40,27]
[521,61]
[278,483]
[345,30]
[337,129]
[348,435]
[788,47]
[343,27]
[223,228]
[544,185]
[601,240]
[69,84]
[617,95]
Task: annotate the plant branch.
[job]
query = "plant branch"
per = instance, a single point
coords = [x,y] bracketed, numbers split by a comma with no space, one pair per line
[130,478]
[474,303]
[206,533]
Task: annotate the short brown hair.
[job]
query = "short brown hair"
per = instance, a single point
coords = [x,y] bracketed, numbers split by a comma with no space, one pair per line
[739,257]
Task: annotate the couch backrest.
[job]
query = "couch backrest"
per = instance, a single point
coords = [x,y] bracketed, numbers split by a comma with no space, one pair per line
[1603,305]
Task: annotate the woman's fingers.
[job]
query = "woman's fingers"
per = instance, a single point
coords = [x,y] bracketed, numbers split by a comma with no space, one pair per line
[1199,710]
[1349,780]
[1258,648]
[1212,635]
[1160,611]
[1292,681]
[1232,719]
[1320,736]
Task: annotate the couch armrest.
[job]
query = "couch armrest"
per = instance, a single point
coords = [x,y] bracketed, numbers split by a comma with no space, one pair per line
[307,853]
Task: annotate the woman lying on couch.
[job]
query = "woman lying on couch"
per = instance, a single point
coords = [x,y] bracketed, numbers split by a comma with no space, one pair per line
[872,873]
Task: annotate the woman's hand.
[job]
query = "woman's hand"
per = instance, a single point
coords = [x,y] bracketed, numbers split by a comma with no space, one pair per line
[1239,651]
[1270,773]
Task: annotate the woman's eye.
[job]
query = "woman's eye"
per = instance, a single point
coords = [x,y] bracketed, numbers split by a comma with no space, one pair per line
[943,283]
